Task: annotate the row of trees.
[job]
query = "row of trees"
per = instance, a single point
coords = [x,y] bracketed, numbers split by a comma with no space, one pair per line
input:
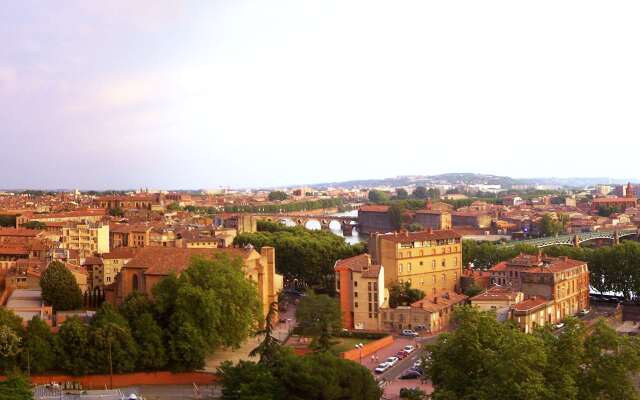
[209,306]
[484,359]
[279,374]
[286,207]
[420,193]
[612,268]
[302,254]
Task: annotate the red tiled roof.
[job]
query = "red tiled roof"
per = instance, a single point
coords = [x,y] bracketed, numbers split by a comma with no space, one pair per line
[496,293]
[360,263]
[121,253]
[165,260]
[20,232]
[530,304]
[404,237]
[444,300]
[374,208]
[14,250]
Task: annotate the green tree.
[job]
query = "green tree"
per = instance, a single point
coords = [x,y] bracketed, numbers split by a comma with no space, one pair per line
[302,255]
[415,227]
[38,354]
[319,316]
[277,195]
[402,294]
[72,344]
[396,214]
[250,381]
[16,387]
[420,192]
[59,288]
[402,194]
[149,339]
[549,226]
[609,359]
[484,359]
[174,207]
[10,347]
[473,290]
[269,347]
[116,212]
[606,211]
[320,376]
[377,196]
[227,304]
[34,225]
[112,348]
[187,348]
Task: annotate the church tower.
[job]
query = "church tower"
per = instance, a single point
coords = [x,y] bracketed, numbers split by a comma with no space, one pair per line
[630,192]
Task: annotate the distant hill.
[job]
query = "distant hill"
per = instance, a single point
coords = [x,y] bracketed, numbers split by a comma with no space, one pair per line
[467,178]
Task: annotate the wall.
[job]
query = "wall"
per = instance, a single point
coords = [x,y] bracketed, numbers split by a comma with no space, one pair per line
[133,379]
[369,348]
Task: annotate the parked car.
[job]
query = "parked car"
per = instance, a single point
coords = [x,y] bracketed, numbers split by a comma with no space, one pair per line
[558,325]
[409,332]
[417,363]
[392,361]
[402,354]
[410,374]
[420,327]
[584,312]
[408,349]
[382,367]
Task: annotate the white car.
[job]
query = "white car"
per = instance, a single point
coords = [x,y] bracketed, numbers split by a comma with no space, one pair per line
[392,361]
[584,312]
[408,349]
[559,325]
[409,332]
[382,367]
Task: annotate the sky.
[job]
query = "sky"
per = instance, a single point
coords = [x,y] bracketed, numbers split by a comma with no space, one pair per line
[202,94]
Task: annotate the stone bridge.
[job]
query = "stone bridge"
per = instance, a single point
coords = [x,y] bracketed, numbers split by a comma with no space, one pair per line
[577,238]
[346,223]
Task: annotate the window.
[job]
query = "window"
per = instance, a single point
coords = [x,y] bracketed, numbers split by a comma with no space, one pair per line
[444,262]
[356,304]
[409,267]
[135,282]
[355,283]
[444,278]
[355,294]
[421,282]
[400,267]
[421,263]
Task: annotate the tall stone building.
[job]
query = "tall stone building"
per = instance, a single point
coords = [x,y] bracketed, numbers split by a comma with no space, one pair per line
[428,260]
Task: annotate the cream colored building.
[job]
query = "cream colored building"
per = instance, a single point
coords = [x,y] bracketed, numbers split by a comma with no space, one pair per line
[87,238]
[360,285]
[429,260]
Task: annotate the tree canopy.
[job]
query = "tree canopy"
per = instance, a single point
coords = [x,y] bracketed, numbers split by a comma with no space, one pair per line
[302,254]
[227,309]
[277,195]
[318,315]
[402,294]
[485,359]
[59,288]
[319,376]
[377,196]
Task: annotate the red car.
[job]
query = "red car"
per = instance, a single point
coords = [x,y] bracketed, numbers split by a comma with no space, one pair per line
[402,354]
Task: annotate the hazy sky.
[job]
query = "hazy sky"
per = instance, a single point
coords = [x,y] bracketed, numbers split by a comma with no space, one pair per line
[193,94]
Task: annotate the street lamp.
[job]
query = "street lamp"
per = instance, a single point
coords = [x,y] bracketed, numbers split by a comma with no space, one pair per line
[359,346]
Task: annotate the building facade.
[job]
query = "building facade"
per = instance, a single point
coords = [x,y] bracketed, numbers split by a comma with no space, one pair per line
[87,238]
[360,285]
[428,260]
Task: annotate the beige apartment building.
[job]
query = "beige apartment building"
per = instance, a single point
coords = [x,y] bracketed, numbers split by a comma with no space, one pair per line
[429,260]
[87,238]
[360,285]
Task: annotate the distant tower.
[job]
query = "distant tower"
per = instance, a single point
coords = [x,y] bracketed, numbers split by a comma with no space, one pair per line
[630,191]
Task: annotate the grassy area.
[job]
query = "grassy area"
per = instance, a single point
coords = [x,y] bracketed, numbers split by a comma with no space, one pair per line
[344,344]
